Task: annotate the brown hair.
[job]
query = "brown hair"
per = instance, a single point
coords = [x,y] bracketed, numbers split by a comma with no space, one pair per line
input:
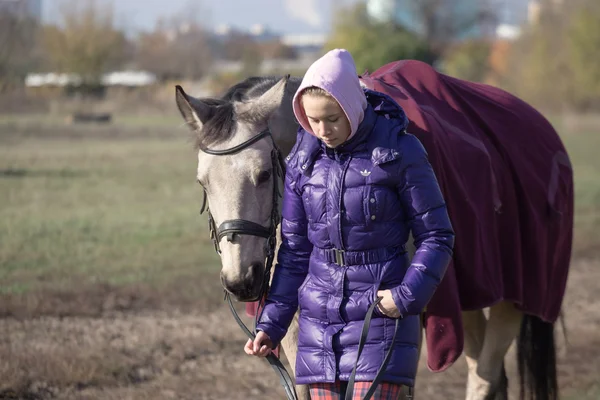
[317,92]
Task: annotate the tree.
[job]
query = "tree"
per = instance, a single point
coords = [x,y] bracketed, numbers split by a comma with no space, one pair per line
[17,39]
[440,23]
[176,49]
[86,42]
[374,44]
[179,47]
[583,49]
[444,22]
[275,49]
[555,63]
[469,60]
[498,62]
[236,46]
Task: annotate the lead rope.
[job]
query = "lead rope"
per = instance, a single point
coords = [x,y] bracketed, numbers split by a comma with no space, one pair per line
[284,377]
[361,345]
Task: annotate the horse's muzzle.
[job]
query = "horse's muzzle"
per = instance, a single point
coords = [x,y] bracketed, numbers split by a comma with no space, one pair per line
[247,287]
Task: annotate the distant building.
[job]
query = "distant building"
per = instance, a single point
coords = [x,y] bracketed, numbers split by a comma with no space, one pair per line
[307,47]
[261,33]
[305,43]
[23,8]
[258,32]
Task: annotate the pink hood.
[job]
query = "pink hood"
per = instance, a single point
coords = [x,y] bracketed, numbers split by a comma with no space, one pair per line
[335,72]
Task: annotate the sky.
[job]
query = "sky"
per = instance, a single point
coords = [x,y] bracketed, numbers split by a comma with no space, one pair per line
[282,16]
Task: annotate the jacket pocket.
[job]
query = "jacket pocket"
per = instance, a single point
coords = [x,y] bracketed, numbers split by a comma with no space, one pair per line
[301,290]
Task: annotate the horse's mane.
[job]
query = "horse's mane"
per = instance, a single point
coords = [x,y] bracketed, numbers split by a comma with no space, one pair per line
[220,125]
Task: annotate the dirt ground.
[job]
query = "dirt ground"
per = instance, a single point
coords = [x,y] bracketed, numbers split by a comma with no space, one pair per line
[187,354]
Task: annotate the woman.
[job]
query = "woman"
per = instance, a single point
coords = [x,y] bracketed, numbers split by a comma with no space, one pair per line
[356,185]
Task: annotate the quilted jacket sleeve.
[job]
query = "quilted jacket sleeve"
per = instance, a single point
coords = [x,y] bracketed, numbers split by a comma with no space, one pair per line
[430,225]
[292,264]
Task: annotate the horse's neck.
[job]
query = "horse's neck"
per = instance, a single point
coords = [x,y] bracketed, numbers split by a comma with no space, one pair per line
[285,136]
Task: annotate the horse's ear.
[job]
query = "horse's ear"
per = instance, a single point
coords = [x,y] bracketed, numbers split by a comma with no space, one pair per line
[261,108]
[194,111]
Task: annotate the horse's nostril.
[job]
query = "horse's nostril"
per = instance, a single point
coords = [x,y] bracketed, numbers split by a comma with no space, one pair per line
[244,289]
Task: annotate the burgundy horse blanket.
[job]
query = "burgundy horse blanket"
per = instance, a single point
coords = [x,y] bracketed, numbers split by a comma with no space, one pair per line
[508,185]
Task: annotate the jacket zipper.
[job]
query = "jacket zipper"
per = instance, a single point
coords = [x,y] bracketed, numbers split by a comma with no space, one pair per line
[346,165]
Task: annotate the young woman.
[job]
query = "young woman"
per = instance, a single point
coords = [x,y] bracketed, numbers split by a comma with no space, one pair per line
[356,185]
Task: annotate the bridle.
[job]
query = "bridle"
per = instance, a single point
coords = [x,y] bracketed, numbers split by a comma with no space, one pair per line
[233,227]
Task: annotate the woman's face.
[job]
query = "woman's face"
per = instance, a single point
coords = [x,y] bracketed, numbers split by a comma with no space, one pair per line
[327,119]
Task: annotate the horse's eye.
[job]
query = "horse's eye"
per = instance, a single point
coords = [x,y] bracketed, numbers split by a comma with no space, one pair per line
[263,177]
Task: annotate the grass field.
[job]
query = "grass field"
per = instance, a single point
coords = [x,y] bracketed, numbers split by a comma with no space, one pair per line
[583,150]
[119,211]
[106,218]
[91,211]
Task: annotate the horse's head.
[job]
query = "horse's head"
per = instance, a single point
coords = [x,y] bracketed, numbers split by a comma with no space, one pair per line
[240,170]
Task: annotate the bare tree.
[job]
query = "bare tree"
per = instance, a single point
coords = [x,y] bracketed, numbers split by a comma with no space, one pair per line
[86,43]
[555,63]
[275,49]
[236,46]
[177,48]
[17,39]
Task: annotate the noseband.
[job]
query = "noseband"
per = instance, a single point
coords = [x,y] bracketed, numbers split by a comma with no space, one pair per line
[231,228]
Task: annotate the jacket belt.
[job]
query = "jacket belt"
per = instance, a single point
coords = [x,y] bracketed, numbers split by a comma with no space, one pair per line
[346,257]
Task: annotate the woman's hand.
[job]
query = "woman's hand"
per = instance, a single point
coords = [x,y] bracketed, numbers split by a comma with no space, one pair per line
[387,306]
[260,347]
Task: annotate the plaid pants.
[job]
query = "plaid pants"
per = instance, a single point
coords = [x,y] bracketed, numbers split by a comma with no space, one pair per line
[337,391]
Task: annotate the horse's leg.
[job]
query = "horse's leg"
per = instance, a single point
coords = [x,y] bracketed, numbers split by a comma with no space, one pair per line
[502,387]
[474,324]
[290,348]
[488,379]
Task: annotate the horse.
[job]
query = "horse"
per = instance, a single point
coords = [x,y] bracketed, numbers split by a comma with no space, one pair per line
[498,196]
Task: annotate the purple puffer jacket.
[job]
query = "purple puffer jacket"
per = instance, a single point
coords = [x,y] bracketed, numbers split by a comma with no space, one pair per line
[363,197]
